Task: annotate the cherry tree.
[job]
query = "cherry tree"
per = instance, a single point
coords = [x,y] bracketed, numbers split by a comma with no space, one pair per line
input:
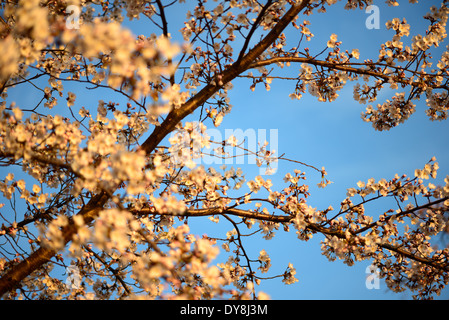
[109,189]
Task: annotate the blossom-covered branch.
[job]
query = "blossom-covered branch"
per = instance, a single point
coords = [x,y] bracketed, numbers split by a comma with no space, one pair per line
[111,181]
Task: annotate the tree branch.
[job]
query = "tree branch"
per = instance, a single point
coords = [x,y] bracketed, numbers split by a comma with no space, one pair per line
[216,211]
[403,213]
[287,219]
[112,270]
[43,255]
[176,115]
[15,275]
[345,67]
[165,32]
[253,29]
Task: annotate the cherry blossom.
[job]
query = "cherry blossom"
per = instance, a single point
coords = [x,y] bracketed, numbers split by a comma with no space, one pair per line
[110,188]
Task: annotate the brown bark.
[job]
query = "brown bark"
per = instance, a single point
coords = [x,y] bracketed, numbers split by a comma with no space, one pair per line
[365,68]
[328,231]
[13,277]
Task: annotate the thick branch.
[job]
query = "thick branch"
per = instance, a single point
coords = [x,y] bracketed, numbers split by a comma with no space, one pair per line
[176,115]
[12,278]
[43,255]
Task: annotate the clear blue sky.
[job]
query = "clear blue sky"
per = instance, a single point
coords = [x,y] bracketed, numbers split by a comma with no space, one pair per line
[321,134]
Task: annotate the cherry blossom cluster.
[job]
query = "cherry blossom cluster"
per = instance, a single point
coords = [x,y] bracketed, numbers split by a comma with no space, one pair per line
[106,189]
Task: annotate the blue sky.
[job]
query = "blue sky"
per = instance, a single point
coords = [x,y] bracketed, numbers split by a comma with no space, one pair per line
[332,135]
